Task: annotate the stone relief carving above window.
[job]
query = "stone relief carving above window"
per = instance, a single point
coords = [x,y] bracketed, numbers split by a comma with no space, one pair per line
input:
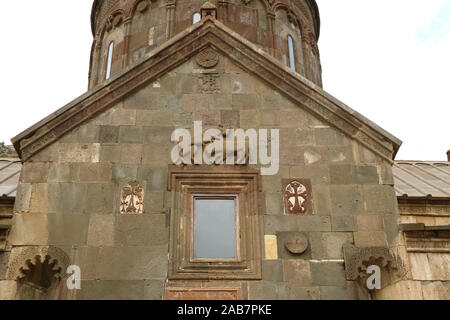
[297,196]
[132,201]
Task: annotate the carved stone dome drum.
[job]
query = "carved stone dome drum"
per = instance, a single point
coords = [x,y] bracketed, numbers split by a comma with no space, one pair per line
[126,30]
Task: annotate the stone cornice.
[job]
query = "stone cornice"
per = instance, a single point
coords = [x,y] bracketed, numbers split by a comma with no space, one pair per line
[178,50]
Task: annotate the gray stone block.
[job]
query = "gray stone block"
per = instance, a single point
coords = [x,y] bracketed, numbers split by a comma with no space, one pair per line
[133,263]
[328,274]
[367,175]
[141,230]
[99,198]
[130,134]
[343,223]
[68,229]
[380,199]
[111,290]
[272,270]
[328,245]
[334,293]
[109,134]
[346,200]
[153,290]
[343,174]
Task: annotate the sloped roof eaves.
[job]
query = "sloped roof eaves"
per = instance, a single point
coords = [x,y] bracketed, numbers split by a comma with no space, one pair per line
[422,179]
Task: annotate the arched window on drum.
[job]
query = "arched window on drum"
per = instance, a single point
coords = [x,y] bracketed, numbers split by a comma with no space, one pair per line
[291,50]
[109,60]
[196,18]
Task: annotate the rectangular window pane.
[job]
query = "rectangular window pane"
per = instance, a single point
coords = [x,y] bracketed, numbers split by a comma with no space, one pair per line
[214,228]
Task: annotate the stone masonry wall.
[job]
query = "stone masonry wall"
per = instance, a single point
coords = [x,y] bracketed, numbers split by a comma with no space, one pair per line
[69,194]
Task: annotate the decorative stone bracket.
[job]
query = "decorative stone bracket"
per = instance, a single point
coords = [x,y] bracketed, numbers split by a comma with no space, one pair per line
[23,259]
[358,259]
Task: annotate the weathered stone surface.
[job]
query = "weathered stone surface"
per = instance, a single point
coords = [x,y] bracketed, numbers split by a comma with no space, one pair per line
[109,134]
[272,270]
[380,199]
[111,290]
[346,200]
[328,245]
[297,272]
[436,290]
[334,293]
[141,230]
[101,230]
[343,223]
[34,172]
[133,263]
[4,256]
[328,274]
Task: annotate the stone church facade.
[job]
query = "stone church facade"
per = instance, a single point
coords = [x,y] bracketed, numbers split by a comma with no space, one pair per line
[99,189]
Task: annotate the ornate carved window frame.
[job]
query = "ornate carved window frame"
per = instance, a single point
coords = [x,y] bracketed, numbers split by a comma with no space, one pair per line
[244,183]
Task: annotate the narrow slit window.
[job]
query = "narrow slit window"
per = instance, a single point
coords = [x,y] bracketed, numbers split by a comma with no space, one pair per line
[109,61]
[215,227]
[196,18]
[291,53]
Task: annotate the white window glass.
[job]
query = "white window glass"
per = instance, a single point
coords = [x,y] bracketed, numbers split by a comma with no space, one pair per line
[291,53]
[109,62]
[197,17]
[215,228]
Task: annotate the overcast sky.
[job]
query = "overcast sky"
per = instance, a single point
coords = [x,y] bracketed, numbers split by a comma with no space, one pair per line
[387,59]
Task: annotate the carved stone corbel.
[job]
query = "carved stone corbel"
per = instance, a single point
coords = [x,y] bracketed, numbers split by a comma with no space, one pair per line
[358,259]
[53,261]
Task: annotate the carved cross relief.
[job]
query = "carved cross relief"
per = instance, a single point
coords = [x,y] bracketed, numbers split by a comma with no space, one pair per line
[297,196]
[132,201]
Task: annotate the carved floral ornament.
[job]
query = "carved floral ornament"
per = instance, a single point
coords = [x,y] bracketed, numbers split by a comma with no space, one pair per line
[132,200]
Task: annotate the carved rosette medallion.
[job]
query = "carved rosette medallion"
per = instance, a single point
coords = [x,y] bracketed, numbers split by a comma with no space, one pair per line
[297,196]
[207,58]
[296,243]
[132,201]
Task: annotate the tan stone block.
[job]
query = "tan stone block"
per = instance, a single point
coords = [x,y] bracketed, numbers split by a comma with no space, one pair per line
[435,291]
[249,118]
[131,153]
[271,248]
[29,229]
[370,239]
[402,290]
[34,172]
[196,102]
[89,172]
[39,198]
[154,117]
[123,117]
[79,152]
[440,266]
[8,289]
[297,272]
[101,230]
[370,222]
[420,266]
